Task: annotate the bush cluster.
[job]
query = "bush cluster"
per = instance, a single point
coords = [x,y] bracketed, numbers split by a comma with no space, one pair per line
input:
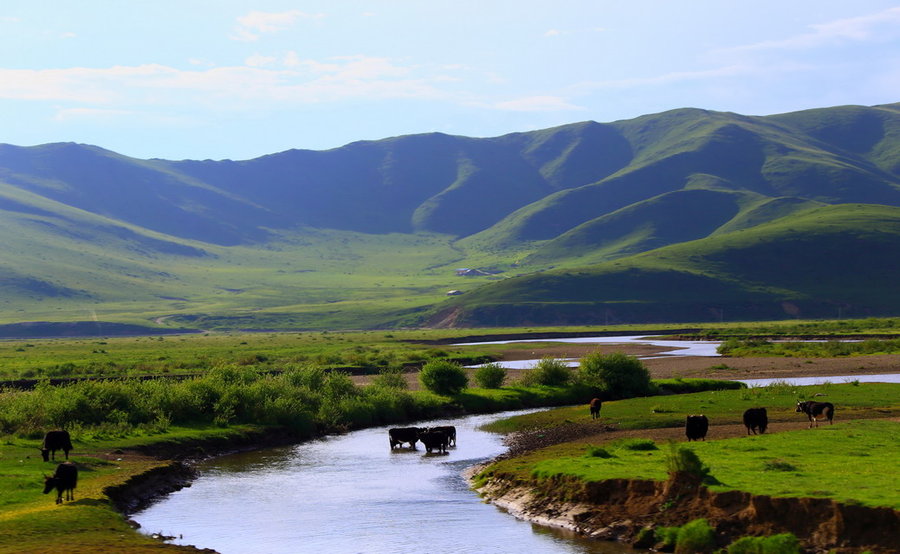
[616,375]
[305,399]
[490,376]
[443,377]
[549,372]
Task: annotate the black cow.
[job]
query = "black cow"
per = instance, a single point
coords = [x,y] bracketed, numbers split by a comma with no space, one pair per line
[815,410]
[434,440]
[399,435]
[695,427]
[595,408]
[756,419]
[449,430]
[64,480]
[53,441]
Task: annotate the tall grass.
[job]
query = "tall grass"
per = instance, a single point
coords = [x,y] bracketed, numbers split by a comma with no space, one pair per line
[305,399]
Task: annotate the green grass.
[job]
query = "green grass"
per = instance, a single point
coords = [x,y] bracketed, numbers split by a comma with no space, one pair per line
[867,400]
[851,461]
[798,463]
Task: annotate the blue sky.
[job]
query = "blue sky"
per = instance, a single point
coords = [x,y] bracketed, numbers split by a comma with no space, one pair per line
[197,79]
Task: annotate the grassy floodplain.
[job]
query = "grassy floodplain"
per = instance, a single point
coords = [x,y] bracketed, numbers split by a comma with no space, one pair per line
[852,461]
[233,394]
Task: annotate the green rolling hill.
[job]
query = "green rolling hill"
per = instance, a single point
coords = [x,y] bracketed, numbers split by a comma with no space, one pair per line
[371,234]
[830,261]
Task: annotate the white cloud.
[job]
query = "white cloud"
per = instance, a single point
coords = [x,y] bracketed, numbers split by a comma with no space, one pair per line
[69,114]
[262,80]
[537,104]
[862,28]
[254,24]
[559,32]
[258,60]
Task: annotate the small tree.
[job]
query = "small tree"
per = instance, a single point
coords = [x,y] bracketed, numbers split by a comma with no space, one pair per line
[618,374]
[443,377]
[490,376]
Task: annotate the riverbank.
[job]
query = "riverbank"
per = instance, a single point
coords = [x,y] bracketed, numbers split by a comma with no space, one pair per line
[619,509]
[547,478]
[145,472]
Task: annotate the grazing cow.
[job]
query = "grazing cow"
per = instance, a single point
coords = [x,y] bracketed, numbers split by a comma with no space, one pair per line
[399,435]
[64,480]
[695,427]
[756,419]
[434,440]
[815,410]
[53,441]
[449,430]
[595,408]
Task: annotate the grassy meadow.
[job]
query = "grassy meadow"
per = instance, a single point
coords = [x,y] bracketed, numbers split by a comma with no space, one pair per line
[854,460]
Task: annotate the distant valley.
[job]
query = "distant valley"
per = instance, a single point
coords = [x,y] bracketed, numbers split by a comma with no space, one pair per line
[682,216]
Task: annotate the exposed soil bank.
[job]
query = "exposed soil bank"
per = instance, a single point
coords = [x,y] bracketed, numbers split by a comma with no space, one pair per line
[618,509]
[141,490]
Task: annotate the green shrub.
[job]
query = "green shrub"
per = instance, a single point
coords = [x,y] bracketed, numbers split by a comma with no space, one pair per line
[696,536]
[684,460]
[390,379]
[550,372]
[666,538]
[617,374]
[443,377]
[637,444]
[785,543]
[598,452]
[490,376]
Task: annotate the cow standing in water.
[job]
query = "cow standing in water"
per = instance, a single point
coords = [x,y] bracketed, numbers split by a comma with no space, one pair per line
[64,481]
[815,410]
[595,408]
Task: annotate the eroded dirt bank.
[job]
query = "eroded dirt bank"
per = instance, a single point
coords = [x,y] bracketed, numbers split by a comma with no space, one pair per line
[617,509]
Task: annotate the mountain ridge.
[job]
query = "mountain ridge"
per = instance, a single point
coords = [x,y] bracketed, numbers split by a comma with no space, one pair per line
[209,236]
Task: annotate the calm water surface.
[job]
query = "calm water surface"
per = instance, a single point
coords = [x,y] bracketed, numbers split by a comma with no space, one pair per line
[351,493]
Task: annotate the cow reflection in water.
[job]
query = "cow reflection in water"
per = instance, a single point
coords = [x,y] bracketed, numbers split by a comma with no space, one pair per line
[433,438]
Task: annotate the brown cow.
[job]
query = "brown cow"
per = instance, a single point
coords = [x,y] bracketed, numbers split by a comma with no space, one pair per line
[595,408]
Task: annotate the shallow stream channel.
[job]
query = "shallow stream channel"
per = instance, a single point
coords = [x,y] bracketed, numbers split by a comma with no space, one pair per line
[352,493]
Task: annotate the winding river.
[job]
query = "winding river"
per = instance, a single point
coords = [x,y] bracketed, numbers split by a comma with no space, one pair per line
[352,493]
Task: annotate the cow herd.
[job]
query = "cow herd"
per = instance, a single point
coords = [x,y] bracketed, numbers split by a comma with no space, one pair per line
[65,478]
[756,420]
[433,438]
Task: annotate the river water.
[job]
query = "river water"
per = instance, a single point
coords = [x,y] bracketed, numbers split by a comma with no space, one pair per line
[351,493]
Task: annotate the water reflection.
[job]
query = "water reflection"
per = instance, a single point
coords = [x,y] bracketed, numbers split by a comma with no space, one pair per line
[674,347]
[351,493]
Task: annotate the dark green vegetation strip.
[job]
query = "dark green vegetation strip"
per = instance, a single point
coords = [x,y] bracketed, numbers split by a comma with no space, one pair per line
[803,349]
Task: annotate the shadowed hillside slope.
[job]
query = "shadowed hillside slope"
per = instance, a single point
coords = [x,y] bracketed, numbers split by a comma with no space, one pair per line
[825,262]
